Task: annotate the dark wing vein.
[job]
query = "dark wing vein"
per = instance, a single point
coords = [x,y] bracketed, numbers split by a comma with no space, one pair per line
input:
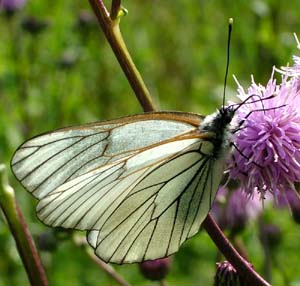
[201,197]
[92,185]
[189,209]
[39,146]
[162,183]
[64,163]
[49,158]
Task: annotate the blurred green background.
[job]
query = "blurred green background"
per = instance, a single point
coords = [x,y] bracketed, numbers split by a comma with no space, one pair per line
[56,69]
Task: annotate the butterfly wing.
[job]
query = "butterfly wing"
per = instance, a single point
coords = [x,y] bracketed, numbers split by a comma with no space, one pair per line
[47,161]
[143,201]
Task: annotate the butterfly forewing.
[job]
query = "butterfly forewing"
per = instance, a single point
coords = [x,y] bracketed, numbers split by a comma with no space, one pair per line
[140,185]
[45,162]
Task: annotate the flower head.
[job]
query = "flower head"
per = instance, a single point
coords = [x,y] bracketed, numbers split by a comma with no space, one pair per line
[267,157]
[234,209]
[291,200]
[47,241]
[11,6]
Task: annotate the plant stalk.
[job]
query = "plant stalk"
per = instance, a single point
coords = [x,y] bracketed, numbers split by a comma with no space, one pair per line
[112,32]
[20,232]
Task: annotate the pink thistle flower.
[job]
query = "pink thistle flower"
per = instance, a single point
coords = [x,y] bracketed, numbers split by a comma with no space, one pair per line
[268,155]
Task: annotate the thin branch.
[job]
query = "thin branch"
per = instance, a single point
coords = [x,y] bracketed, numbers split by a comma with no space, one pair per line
[162,283]
[109,270]
[113,35]
[115,8]
[101,264]
[20,232]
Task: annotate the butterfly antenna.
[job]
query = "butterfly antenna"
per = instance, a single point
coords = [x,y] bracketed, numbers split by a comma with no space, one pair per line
[230,23]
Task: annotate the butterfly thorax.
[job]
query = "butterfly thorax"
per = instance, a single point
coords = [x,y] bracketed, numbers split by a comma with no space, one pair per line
[219,125]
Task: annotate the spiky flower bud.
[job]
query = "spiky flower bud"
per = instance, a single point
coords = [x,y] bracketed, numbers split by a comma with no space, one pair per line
[226,275]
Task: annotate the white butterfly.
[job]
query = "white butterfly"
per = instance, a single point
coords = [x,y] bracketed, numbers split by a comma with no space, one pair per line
[140,185]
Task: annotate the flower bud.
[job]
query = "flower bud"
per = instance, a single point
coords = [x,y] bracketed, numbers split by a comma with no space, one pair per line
[68,59]
[86,20]
[156,269]
[47,241]
[271,235]
[226,275]
[294,202]
[33,25]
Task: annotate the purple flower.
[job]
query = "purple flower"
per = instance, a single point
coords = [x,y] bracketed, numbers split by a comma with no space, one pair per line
[234,209]
[267,158]
[241,209]
[290,199]
[12,5]
[86,20]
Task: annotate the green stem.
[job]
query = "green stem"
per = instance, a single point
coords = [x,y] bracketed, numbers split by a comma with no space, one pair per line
[266,251]
[20,232]
[112,32]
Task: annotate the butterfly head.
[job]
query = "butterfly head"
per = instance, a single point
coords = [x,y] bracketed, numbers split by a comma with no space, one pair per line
[219,121]
[226,114]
